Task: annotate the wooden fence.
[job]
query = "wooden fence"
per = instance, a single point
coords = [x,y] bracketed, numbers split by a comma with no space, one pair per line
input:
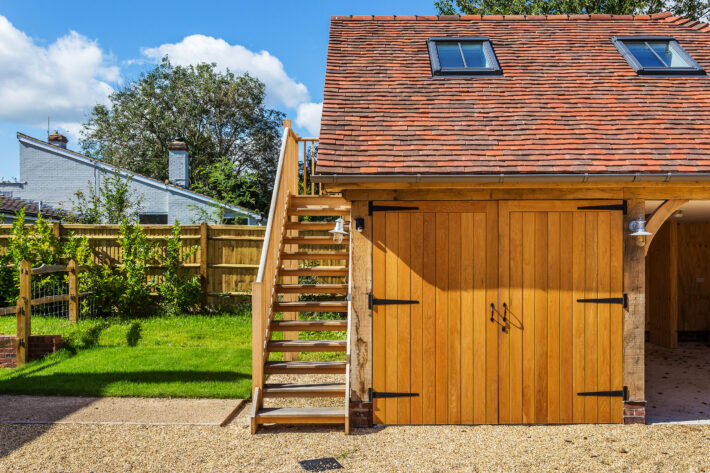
[227,257]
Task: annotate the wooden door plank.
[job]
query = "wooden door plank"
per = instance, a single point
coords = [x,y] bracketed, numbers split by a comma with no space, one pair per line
[504,298]
[467,314]
[528,309]
[603,311]
[429,319]
[541,349]
[553,316]
[378,315]
[480,318]
[442,312]
[590,316]
[391,347]
[417,249]
[492,329]
[566,314]
[403,319]
[516,313]
[616,325]
[578,292]
[454,292]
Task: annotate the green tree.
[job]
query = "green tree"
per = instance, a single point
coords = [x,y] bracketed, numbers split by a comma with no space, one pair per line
[220,115]
[695,9]
[113,203]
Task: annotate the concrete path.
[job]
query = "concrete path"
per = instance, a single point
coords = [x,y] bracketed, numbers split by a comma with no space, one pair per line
[116,410]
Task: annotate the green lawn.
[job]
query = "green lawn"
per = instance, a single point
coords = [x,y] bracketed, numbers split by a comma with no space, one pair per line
[197,356]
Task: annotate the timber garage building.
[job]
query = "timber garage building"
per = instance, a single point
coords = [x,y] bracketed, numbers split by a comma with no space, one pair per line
[535,200]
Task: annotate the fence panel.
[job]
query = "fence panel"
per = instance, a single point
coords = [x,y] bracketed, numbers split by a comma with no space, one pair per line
[231,253]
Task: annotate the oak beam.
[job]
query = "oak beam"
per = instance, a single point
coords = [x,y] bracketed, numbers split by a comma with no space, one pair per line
[659,216]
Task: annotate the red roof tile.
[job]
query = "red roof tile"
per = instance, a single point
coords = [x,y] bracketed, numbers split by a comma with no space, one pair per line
[567,101]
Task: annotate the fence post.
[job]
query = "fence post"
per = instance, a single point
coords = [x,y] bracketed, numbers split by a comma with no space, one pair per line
[24,313]
[73,281]
[204,241]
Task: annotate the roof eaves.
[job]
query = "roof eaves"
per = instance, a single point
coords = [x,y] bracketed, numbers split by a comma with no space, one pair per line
[140,177]
[593,16]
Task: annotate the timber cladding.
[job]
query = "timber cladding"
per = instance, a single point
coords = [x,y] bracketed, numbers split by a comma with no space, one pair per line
[497,312]
[227,255]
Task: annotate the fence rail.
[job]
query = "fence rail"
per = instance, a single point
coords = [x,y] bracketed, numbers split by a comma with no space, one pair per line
[227,258]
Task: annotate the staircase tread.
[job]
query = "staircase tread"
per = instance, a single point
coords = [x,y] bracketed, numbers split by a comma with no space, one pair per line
[305,364]
[307,343]
[313,303]
[312,286]
[308,322]
[275,412]
[304,387]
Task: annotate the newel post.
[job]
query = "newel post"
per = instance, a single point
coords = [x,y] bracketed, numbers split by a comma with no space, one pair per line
[24,313]
[257,335]
[73,283]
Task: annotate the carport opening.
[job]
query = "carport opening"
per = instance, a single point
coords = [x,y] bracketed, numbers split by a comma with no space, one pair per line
[678,317]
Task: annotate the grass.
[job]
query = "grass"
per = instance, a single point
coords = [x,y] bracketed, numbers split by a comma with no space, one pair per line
[193,356]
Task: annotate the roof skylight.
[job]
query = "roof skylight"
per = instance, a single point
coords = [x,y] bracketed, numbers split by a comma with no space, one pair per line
[656,55]
[462,56]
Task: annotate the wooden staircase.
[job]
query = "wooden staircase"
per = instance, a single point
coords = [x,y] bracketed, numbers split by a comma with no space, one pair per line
[310,278]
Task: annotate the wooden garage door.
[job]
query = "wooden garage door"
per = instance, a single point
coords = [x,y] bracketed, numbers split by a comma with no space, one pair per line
[470,269]
[444,255]
[553,255]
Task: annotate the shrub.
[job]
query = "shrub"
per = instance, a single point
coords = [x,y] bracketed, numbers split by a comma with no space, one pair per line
[85,335]
[133,335]
[179,292]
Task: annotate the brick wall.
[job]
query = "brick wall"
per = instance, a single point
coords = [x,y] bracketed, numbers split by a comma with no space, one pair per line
[40,346]
[634,412]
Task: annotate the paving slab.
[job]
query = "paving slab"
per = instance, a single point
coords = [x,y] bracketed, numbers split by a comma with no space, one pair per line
[116,410]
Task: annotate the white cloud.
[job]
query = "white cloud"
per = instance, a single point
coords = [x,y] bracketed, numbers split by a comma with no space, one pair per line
[281,89]
[308,116]
[63,80]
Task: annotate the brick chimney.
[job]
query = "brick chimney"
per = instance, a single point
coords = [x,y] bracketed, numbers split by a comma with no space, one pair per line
[57,139]
[179,165]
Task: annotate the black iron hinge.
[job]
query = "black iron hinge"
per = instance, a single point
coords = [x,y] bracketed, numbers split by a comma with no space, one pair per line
[623,207]
[387,208]
[381,394]
[624,301]
[622,393]
[372,301]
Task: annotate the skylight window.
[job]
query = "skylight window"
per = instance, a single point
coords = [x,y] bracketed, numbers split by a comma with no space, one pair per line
[462,56]
[656,55]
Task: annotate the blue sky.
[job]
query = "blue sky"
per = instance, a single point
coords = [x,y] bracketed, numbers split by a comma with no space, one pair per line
[60,58]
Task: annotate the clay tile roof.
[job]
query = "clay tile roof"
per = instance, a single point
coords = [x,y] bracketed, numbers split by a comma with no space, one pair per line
[567,101]
[10,205]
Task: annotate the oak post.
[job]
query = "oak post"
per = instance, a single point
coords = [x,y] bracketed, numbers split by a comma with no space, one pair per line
[360,318]
[204,242]
[57,229]
[24,313]
[635,313]
[257,335]
[73,282]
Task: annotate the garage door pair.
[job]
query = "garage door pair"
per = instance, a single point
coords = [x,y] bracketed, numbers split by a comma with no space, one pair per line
[497,312]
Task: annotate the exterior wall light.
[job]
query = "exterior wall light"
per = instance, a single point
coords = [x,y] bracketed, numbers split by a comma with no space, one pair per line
[638,231]
[339,231]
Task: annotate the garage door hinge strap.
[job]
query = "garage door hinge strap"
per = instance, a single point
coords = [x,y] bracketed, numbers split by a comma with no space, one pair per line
[623,207]
[624,301]
[387,208]
[380,394]
[622,393]
[374,301]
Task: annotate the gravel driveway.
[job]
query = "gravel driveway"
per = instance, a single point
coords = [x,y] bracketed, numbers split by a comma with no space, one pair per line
[132,448]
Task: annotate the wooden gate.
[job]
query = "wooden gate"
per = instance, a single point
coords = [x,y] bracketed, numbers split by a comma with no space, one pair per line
[554,255]
[478,312]
[443,255]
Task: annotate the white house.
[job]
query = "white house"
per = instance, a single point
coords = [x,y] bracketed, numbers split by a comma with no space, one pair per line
[51,174]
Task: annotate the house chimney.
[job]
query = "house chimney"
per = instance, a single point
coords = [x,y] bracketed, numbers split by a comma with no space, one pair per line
[179,165]
[57,139]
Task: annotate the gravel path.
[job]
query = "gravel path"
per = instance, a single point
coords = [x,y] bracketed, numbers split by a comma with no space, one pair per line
[130,448]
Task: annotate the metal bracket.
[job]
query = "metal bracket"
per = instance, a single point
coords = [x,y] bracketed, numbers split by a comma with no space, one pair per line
[372,301]
[624,301]
[623,207]
[387,208]
[622,393]
[379,394]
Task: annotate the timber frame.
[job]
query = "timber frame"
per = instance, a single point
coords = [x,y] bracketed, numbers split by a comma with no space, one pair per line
[634,194]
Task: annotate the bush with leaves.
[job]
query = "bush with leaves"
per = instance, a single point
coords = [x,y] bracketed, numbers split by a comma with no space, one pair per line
[179,291]
[36,243]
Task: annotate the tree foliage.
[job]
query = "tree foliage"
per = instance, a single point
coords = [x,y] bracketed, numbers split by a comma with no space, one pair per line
[220,115]
[695,9]
[113,203]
